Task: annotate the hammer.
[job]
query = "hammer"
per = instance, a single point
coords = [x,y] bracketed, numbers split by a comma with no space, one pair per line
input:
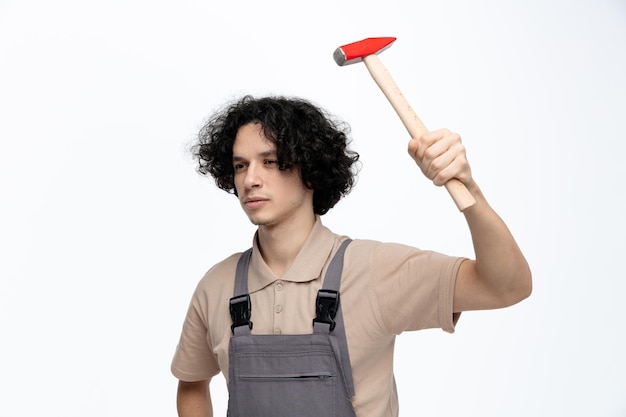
[366,50]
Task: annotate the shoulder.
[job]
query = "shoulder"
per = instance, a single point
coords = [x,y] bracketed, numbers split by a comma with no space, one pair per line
[218,282]
[372,260]
[373,250]
[385,260]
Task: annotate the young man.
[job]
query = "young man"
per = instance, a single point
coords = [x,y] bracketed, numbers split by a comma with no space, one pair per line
[288,163]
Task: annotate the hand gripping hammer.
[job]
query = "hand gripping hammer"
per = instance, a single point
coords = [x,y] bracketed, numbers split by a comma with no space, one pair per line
[366,51]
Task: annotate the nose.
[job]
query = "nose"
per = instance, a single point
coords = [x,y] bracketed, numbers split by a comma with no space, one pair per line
[252,178]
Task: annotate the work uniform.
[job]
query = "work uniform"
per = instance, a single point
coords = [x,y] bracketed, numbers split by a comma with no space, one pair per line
[302,375]
[385,289]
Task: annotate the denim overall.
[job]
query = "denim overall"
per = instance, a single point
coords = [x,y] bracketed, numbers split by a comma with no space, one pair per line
[306,375]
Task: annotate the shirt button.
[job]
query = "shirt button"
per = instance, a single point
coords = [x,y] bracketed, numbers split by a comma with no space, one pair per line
[278,309]
[279,286]
[277,331]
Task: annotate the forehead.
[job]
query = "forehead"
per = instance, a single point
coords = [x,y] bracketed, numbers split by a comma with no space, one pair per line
[250,140]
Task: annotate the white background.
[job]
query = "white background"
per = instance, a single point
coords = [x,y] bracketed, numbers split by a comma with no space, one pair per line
[105,227]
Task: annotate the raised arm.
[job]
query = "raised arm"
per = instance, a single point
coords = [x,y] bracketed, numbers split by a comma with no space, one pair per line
[499,276]
[193,399]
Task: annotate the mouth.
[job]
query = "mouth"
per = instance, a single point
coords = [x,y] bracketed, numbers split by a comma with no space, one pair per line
[254,202]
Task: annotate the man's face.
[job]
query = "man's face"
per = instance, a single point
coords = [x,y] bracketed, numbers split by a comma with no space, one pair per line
[268,195]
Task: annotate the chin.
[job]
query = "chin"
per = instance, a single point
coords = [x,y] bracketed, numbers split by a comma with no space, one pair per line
[258,221]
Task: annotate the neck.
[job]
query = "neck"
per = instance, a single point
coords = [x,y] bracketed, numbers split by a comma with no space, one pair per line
[280,244]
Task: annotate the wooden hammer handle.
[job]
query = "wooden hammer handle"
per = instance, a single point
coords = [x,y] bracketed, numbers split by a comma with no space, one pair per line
[457,190]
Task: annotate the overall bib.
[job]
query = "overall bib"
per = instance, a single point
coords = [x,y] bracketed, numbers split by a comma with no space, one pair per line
[306,375]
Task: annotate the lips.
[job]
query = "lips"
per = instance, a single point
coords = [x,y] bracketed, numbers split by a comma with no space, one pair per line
[254,202]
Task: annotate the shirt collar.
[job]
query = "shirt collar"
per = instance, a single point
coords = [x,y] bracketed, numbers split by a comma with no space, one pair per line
[307,266]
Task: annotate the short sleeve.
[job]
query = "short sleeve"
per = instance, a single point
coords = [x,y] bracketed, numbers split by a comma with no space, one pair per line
[194,359]
[414,288]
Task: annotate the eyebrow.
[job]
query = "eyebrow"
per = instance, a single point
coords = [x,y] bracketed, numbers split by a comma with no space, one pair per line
[265,154]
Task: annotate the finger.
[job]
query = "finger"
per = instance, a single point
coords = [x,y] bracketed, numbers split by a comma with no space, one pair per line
[448,161]
[456,168]
[438,162]
[427,140]
[418,146]
[433,154]
[413,148]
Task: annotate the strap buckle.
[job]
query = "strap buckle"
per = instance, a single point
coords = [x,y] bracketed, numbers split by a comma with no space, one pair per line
[240,311]
[326,307]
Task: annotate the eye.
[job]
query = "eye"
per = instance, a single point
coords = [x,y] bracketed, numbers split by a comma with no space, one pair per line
[270,162]
[239,166]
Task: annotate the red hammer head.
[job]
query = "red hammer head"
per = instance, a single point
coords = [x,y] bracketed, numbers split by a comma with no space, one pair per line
[354,52]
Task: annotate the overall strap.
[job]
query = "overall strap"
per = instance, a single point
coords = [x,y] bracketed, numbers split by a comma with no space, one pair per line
[241,276]
[240,305]
[327,304]
[332,279]
[329,318]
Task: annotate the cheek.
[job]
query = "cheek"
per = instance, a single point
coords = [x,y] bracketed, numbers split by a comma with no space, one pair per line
[302,193]
[237,185]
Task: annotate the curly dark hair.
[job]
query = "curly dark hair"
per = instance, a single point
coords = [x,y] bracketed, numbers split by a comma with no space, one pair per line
[306,138]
